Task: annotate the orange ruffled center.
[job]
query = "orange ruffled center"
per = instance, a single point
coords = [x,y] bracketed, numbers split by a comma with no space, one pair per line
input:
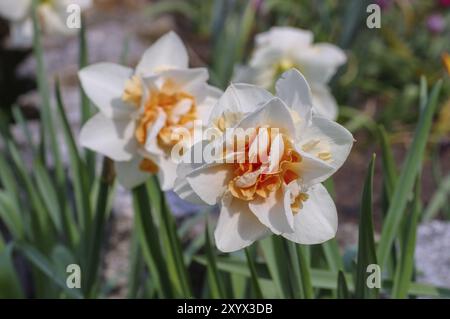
[170,105]
[272,167]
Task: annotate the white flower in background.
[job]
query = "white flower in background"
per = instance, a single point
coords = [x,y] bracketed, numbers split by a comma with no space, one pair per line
[283,48]
[280,193]
[52,15]
[139,110]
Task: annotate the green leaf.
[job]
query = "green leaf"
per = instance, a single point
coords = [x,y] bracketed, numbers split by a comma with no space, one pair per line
[10,215]
[407,177]
[214,279]
[47,268]
[136,269]
[342,288]
[302,270]
[149,242]
[95,230]
[321,279]
[170,241]
[366,242]
[85,106]
[438,200]
[77,169]
[253,275]
[19,118]
[10,287]
[48,193]
[48,129]
[387,159]
[405,269]
[276,257]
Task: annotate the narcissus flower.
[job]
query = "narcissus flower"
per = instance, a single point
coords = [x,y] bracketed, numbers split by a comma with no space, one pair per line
[141,108]
[52,15]
[283,48]
[273,185]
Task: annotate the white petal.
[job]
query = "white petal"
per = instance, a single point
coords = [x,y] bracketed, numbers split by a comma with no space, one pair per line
[260,76]
[206,105]
[182,186]
[284,38]
[129,174]
[210,181]
[311,169]
[167,172]
[334,137]
[275,114]
[166,53]
[293,89]
[112,138]
[324,103]
[185,191]
[151,142]
[104,84]
[316,222]
[186,79]
[237,226]
[320,62]
[239,99]
[15,9]
[270,212]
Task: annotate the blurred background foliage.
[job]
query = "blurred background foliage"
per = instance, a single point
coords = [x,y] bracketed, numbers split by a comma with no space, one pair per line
[53,213]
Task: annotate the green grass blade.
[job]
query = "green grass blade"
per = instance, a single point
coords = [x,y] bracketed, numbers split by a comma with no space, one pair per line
[77,167]
[405,269]
[366,241]
[215,281]
[321,279]
[136,268]
[387,159]
[171,242]
[47,268]
[407,177]
[48,129]
[253,276]
[276,257]
[10,287]
[149,241]
[342,288]
[438,200]
[95,231]
[85,107]
[10,215]
[20,119]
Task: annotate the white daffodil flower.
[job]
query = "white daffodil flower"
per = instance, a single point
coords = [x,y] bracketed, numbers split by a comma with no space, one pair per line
[141,108]
[52,15]
[283,48]
[275,187]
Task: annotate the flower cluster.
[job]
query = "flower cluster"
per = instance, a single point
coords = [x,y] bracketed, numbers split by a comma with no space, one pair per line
[52,15]
[283,48]
[140,109]
[267,182]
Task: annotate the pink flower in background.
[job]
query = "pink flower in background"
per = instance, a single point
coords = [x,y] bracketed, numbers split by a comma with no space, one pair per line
[384,4]
[444,3]
[435,23]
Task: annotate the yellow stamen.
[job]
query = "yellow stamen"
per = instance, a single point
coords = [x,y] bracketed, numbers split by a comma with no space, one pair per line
[133,91]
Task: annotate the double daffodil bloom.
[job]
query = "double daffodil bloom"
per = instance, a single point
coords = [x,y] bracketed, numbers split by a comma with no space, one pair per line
[283,48]
[275,185]
[52,15]
[141,108]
